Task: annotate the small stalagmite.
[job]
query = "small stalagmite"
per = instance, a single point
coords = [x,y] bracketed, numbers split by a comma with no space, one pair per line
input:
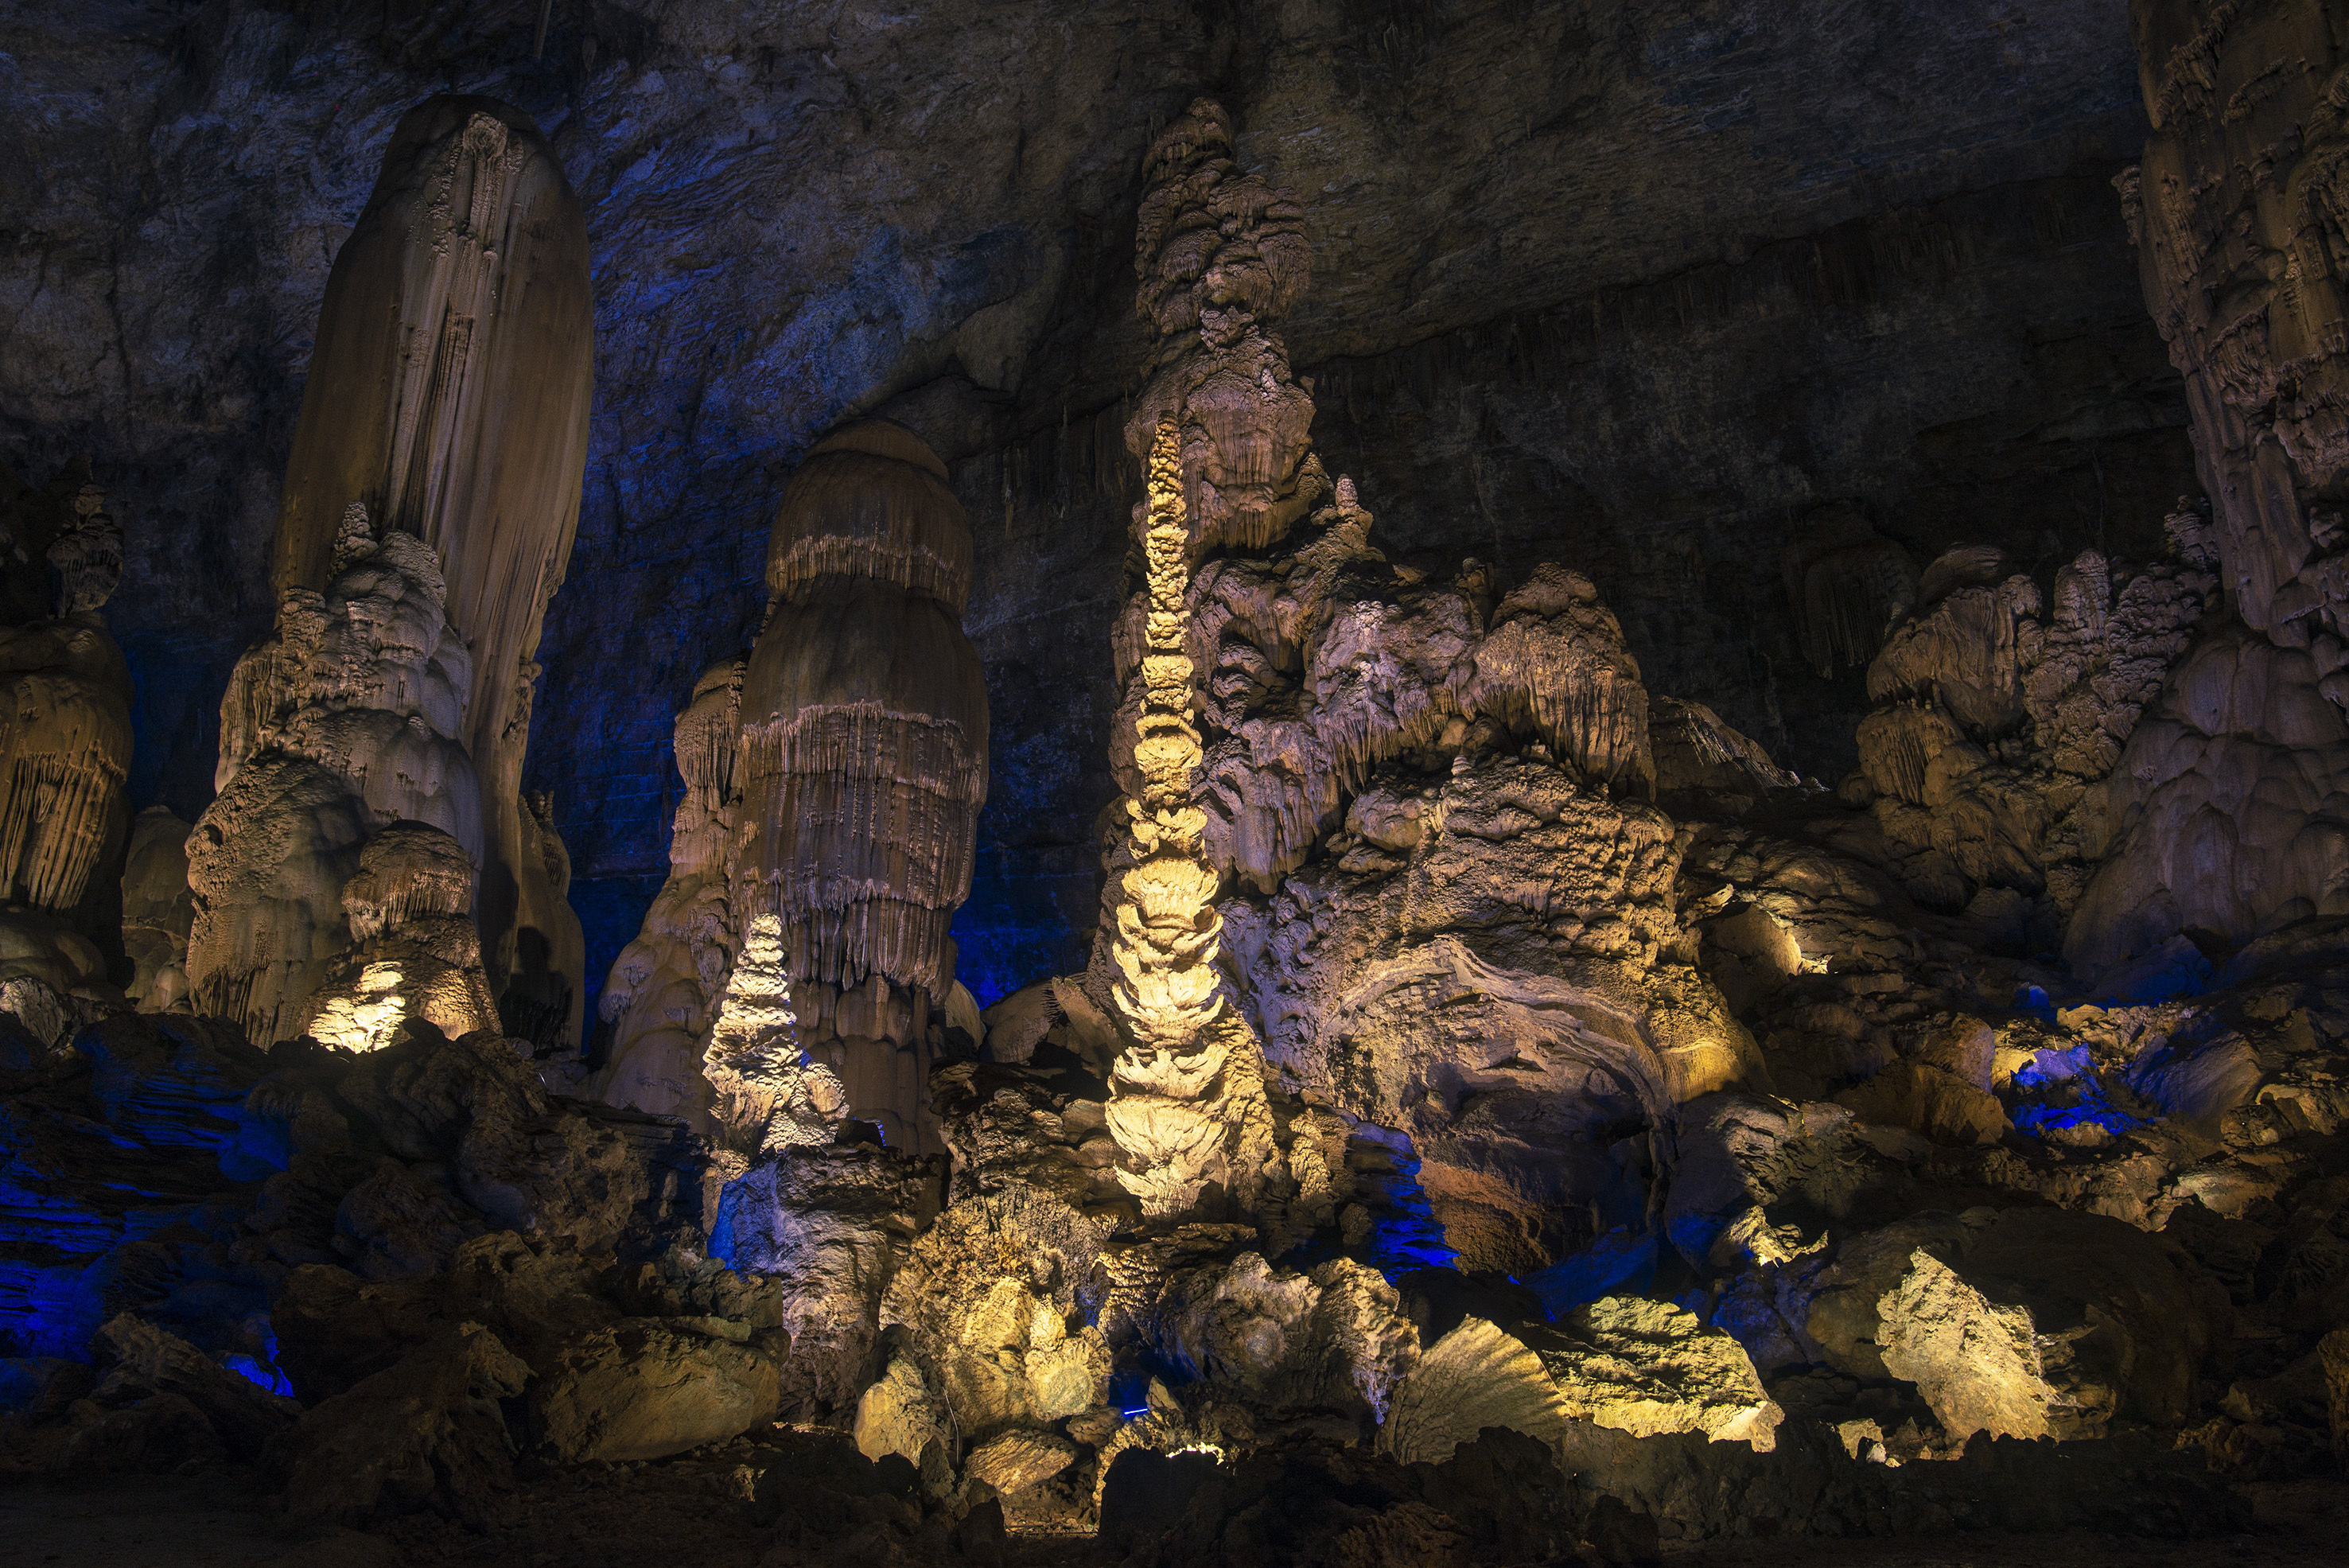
[448,395]
[657,999]
[863,760]
[414,954]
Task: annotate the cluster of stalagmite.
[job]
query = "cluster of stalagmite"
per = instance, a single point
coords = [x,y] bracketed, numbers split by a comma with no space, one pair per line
[2231,808]
[65,727]
[428,511]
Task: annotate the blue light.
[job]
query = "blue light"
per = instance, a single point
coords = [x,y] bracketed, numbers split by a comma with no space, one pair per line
[269,1378]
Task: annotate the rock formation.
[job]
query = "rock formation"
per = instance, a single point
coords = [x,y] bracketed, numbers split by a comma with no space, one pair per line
[447,407]
[65,734]
[2228,819]
[659,997]
[832,786]
[1992,754]
[346,721]
[1508,1115]
[1188,1112]
[862,759]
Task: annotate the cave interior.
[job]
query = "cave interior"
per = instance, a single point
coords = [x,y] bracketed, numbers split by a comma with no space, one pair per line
[1418,783]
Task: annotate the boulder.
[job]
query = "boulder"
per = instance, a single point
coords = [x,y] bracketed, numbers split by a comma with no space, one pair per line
[1013,1461]
[428,1433]
[2023,1323]
[1649,1368]
[640,1389]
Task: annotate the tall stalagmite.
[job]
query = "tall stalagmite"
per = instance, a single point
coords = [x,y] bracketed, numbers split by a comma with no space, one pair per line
[863,760]
[447,405]
[65,730]
[1189,1111]
[2232,801]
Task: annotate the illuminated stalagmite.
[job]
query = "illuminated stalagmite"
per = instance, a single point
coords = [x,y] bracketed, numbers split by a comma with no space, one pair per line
[832,786]
[448,392]
[1189,1108]
[64,728]
[428,511]
[2233,804]
[863,758]
[658,998]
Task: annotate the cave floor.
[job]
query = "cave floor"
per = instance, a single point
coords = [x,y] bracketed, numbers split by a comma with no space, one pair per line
[671,1512]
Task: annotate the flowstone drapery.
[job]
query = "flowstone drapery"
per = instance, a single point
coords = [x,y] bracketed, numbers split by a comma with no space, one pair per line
[427,511]
[65,731]
[832,786]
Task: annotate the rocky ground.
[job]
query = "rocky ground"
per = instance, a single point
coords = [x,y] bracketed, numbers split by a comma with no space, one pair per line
[697,1507]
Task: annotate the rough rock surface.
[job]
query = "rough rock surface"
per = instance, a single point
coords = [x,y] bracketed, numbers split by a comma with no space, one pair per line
[1669,390]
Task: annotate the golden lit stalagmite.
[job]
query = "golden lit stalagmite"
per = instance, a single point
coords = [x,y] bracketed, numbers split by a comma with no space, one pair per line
[1189,1108]
[428,511]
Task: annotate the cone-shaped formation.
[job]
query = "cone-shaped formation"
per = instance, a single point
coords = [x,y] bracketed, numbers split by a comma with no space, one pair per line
[769,1097]
[449,394]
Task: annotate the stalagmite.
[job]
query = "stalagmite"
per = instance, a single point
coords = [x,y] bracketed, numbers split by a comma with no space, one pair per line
[862,759]
[448,395]
[348,719]
[65,725]
[414,952]
[663,988]
[2231,806]
[1189,1111]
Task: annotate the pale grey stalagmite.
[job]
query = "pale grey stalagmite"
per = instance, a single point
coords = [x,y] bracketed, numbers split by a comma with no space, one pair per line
[659,996]
[448,394]
[863,761]
[157,909]
[2231,805]
[64,730]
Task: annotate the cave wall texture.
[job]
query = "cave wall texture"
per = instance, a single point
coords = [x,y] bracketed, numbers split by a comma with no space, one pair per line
[1671,280]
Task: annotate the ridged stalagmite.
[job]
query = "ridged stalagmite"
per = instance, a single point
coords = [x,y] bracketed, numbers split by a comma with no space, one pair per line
[863,758]
[64,728]
[2230,806]
[449,394]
